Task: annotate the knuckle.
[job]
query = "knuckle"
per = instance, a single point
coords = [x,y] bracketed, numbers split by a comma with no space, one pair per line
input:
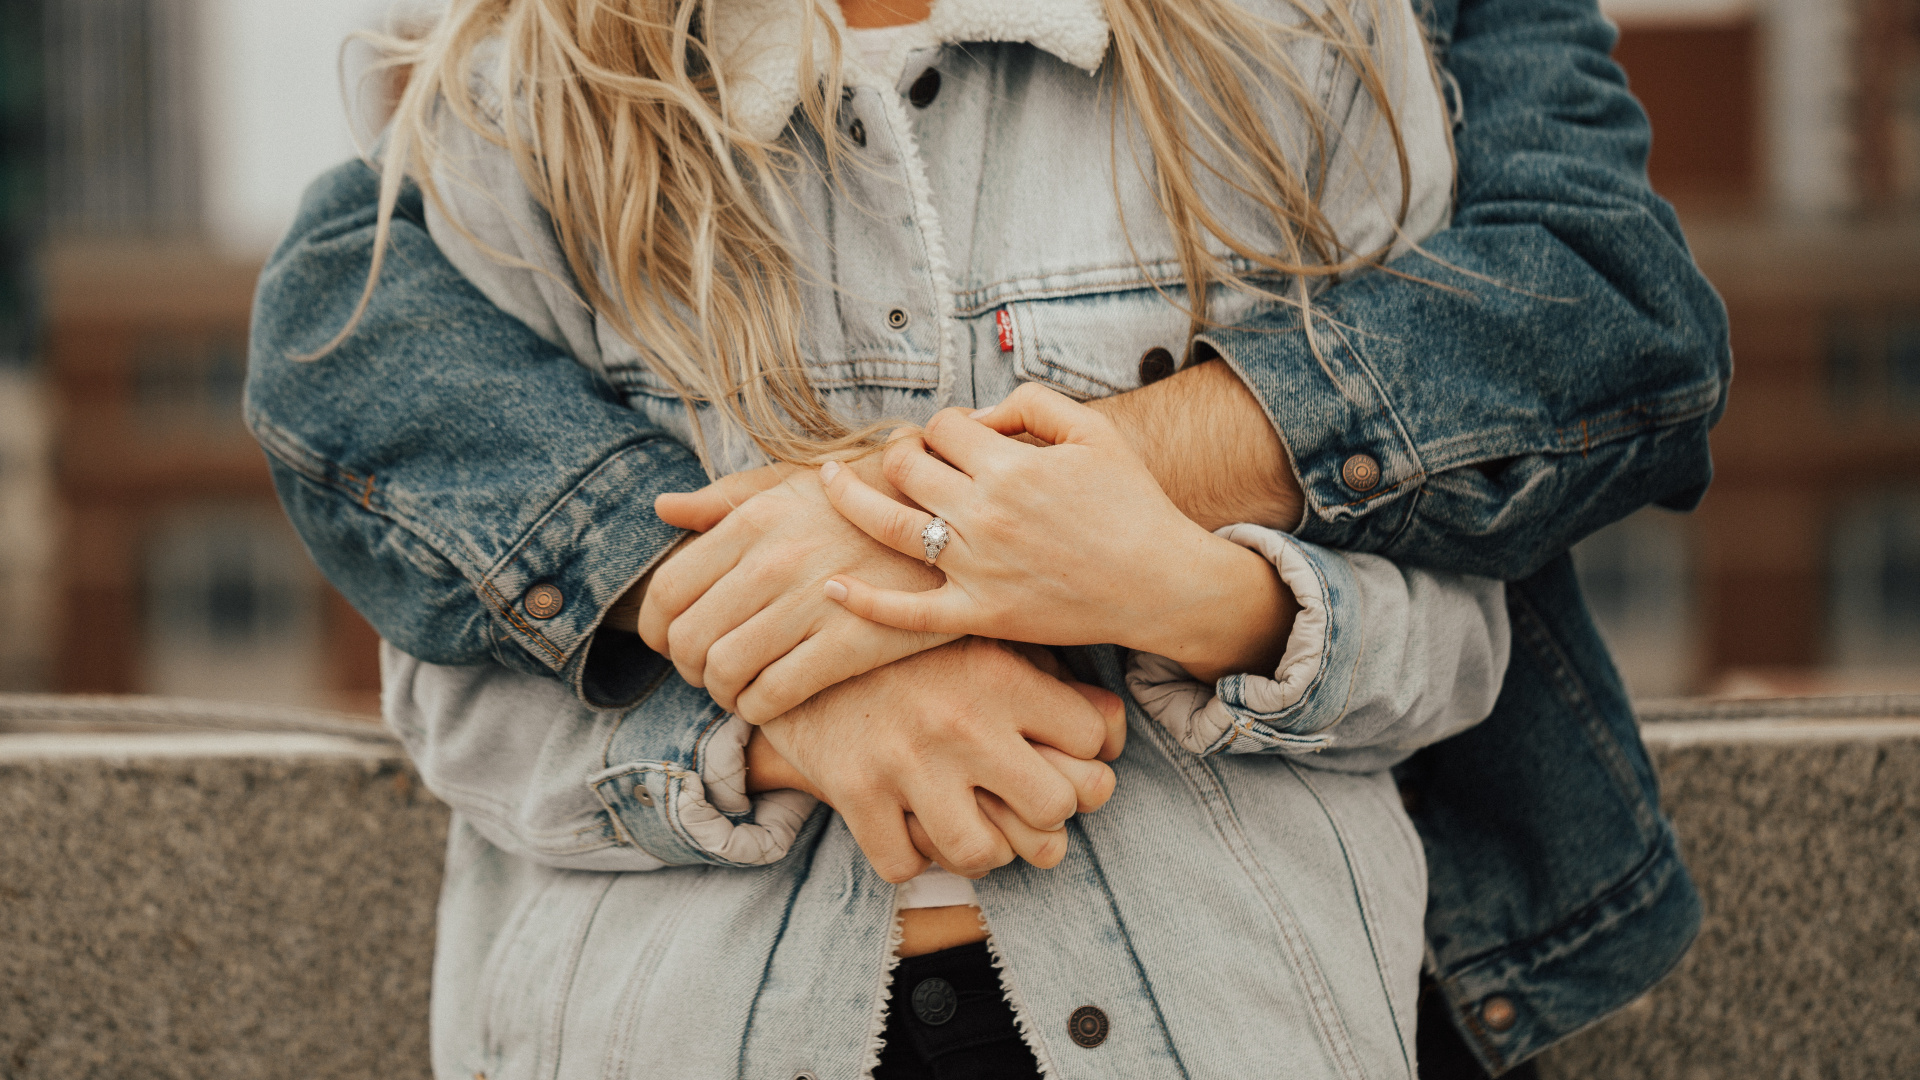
[977,853]
[1057,803]
[897,462]
[770,695]
[726,664]
[1087,738]
[896,868]
[1099,787]
[943,420]
[760,512]
[781,564]
[1051,849]
[901,524]
[665,587]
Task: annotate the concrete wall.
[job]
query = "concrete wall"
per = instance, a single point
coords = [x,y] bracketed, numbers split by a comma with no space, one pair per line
[209,892]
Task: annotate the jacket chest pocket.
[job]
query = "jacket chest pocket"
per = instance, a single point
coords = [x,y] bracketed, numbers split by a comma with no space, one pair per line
[844,368]
[1100,344]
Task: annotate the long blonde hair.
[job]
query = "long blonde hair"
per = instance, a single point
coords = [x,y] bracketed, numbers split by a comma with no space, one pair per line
[670,215]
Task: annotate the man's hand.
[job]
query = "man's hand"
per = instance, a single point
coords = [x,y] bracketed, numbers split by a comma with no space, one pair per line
[989,755]
[740,609]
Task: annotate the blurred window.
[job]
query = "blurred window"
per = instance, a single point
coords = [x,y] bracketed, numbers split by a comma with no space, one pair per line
[1874,602]
[232,609]
[1873,362]
[190,384]
[123,106]
[1638,580]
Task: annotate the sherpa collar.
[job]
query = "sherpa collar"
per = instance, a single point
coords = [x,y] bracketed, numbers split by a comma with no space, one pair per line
[757,42]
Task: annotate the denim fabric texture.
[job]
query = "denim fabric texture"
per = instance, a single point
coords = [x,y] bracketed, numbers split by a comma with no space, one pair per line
[446,458]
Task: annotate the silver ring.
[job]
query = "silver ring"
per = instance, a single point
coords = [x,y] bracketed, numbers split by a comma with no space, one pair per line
[934,538]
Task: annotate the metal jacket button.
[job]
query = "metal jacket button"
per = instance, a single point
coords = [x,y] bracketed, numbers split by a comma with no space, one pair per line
[1087,1026]
[1155,364]
[934,1001]
[544,601]
[640,793]
[857,131]
[898,319]
[925,88]
[1498,1013]
[1361,472]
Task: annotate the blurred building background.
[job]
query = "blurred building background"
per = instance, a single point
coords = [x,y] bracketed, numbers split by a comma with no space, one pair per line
[152,150]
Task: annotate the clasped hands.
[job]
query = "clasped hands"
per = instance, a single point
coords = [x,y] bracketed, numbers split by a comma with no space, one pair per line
[913,699]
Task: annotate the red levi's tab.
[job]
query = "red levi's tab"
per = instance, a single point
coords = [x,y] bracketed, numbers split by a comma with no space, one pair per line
[1004,320]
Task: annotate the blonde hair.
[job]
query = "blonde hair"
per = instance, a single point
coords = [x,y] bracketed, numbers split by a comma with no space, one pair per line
[673,219]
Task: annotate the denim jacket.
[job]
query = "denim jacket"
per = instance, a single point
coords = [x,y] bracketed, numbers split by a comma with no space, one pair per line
[447,457]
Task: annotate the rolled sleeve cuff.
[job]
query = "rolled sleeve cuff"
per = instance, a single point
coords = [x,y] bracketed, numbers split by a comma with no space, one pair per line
[675,784]
[1355,462]
[1289,711]
[551,592]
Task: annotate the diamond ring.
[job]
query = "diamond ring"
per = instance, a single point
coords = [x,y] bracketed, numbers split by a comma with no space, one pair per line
[934,538]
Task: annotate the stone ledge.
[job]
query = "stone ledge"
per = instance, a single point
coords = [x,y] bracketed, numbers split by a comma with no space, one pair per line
[184,897]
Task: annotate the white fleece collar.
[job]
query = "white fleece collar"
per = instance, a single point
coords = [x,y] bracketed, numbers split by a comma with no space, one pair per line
[758,44]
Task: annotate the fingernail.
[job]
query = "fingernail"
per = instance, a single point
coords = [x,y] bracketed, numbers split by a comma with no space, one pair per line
[836,591]
[978,413]
[828,471]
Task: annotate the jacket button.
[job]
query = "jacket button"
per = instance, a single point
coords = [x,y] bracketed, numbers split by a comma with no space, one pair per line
[898,319]
[544,601]
[1498,1013]
[857,131]
[1155,364]
[925,88]
[1087,1026]
[934,1001]
[640,793]
[1361,472]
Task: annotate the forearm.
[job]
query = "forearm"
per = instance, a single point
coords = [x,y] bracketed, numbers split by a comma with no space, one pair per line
[1208,441]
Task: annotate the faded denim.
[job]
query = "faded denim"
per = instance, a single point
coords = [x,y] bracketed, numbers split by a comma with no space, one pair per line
[423,463]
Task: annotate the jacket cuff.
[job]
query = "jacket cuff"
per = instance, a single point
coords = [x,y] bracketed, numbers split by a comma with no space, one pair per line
[675,784]
[1355,462]
[1253,713]
[550,593]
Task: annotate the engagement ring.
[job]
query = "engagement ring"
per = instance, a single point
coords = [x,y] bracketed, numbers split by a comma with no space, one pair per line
[934,538]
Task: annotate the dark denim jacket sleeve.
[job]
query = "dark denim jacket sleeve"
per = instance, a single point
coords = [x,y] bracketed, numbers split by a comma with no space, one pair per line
[1567,368]
[391,454]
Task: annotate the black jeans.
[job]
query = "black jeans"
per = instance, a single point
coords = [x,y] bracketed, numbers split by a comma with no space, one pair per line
[948,1019]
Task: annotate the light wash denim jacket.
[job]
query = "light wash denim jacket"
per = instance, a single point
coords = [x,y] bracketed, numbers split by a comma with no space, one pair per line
[447,458]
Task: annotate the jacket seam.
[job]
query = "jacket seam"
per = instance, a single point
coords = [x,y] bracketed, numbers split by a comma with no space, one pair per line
[1669,409]
[1572,691]
[1363,895]
[1301,962]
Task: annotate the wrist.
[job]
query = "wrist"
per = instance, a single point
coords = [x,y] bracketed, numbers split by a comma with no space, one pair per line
[1228,613]
[769,770]
[624,614]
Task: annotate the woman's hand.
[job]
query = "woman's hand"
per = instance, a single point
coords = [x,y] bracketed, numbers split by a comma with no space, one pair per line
[968,752]
[1071,543]
[740,610]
